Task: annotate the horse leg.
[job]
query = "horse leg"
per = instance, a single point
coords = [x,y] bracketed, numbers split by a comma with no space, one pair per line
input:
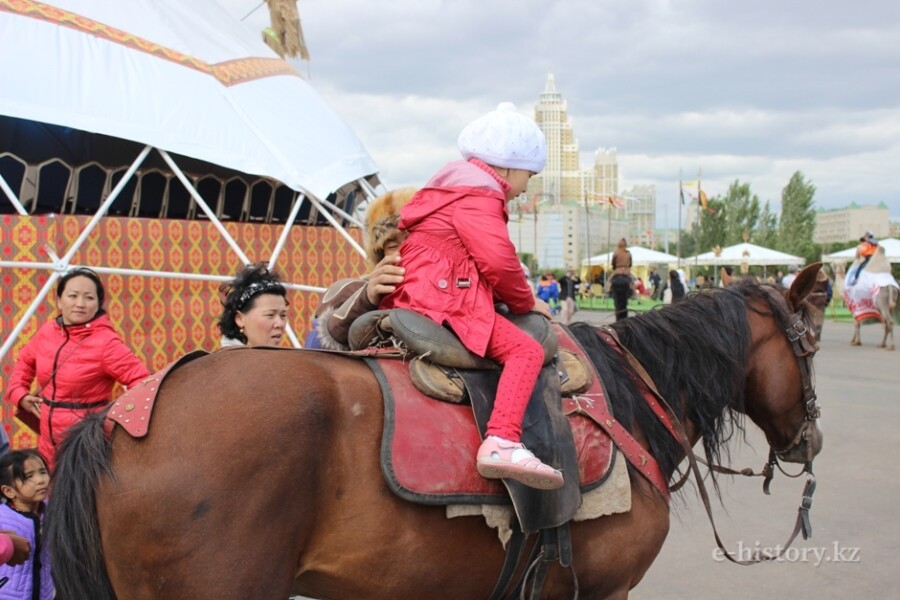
[855,341]
[888,333]
[613,553]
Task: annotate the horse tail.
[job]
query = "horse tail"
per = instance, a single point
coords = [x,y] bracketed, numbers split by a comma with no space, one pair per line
[71,527]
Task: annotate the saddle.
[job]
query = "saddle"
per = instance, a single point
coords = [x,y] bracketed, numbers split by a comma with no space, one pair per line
[423,337]
[438,353]
[443,368]
[428,447]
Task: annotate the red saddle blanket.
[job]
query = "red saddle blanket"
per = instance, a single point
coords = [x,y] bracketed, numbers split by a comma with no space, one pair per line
[429,446]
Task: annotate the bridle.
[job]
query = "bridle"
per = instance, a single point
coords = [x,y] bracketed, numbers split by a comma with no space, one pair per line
[804,346]
[803,343]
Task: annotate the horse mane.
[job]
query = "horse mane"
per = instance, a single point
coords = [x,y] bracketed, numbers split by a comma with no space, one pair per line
[695,351]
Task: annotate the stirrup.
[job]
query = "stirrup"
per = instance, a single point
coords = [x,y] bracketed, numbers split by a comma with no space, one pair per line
[503,459]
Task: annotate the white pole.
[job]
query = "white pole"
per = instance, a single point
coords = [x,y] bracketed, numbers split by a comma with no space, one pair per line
[202,203]
[12,197]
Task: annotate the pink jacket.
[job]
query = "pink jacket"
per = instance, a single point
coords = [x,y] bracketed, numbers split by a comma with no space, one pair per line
[89,359]
[458,257]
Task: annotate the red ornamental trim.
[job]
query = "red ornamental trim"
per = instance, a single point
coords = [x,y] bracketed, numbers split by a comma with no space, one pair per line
[228,73]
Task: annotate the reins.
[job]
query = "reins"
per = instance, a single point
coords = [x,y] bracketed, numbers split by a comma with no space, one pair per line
[804,349]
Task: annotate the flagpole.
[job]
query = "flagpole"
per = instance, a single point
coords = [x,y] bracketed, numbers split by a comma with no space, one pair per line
[521,224]
[680,204]
[699,203]
[534,208]
[608,240]
[587,232]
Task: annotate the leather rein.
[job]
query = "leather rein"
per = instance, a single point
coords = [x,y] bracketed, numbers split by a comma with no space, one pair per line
[804,346]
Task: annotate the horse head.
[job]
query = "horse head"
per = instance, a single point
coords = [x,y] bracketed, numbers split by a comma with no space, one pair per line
[780,394]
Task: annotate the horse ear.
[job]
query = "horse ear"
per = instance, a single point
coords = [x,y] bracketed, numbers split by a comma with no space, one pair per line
[803,285]
[726,278]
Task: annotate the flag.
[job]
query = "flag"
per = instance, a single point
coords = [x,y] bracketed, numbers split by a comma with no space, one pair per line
[681,192]
[702,199]
[690,183]
[609,200]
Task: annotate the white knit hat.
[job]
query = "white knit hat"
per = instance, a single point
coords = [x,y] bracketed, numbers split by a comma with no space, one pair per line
[505,138]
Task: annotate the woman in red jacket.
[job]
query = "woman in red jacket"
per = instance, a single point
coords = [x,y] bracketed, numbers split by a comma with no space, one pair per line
[459,259]
[76,359]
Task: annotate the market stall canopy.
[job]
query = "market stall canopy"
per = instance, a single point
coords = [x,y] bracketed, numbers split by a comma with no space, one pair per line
[184,77]
[744,253]
[639,256]
[891,251]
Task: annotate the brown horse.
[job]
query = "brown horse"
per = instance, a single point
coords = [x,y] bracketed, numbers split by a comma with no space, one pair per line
[260,475]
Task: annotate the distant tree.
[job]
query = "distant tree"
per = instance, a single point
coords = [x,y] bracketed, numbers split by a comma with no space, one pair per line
[712,230]
[766,232]
[798,218]
[741,212]
[727,218]
[689,242]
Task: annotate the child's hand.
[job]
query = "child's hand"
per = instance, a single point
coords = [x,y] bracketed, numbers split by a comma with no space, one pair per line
[541,307]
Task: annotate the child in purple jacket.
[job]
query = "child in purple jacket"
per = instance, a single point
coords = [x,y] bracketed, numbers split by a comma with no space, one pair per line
[24,483]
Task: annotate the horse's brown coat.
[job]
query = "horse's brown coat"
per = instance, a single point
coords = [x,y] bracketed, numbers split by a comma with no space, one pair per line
[260,478]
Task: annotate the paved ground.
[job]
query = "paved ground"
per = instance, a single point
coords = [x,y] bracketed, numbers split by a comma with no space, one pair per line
[856,530]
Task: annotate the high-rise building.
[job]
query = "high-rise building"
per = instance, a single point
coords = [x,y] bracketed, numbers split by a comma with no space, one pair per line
[569,213]
[562,178]
[641,214]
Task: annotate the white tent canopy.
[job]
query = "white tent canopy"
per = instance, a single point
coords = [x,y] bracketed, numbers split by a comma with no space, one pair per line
[639,256]
[118,79]
[184,77]
[891,251]
[744,253]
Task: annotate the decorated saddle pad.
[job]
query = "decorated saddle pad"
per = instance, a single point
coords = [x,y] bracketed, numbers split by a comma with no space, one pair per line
[429,446]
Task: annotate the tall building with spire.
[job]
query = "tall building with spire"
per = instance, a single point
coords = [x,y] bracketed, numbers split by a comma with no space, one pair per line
[569,213]
[562,179]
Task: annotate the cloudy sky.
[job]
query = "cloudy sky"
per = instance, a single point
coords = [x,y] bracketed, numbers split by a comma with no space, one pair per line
[748,90]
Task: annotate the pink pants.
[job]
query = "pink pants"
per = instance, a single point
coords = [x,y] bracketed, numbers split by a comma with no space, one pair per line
[521,357]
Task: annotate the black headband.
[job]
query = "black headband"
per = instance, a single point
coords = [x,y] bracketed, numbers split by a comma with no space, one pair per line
[258,287]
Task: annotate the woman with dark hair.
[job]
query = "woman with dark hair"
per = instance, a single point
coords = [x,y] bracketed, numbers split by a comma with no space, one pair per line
[76,359]
[676,290]
[255,308]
